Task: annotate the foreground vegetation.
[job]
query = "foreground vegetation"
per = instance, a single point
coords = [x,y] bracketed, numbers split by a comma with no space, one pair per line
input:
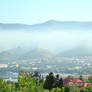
[35,83]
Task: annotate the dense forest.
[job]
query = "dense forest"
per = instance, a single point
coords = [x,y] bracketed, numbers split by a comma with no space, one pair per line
[34,82]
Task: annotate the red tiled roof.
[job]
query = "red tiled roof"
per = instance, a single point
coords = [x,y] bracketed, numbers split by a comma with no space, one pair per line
[76,80]
[87,84]
[66,81]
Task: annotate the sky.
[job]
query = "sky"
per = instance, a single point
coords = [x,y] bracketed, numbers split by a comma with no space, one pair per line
[38,11]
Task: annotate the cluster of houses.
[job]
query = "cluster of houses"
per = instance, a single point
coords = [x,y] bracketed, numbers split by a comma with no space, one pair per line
[75,81]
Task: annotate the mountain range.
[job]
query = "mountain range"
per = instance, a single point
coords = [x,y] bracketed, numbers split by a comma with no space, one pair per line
[22,54]
[38,53]
[49,25]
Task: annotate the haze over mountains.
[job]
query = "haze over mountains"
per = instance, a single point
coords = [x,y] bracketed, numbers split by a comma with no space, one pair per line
[49,25]
[58,38]
[20,54]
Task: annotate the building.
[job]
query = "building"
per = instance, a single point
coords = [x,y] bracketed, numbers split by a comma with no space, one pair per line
[75,82]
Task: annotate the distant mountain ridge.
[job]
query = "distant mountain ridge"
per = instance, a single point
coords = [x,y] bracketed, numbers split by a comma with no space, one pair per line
[37,53]
[78,51]
[49,25]
[19,54]
[11,54]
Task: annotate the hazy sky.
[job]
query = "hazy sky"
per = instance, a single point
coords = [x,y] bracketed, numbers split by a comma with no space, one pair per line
[37,11]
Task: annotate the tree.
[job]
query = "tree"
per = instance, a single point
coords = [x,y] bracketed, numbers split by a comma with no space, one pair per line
[70,88]
[86,89]
[56,90]
[59,83]
[49,82]
[57,76]
[26,82]
[3,86]
[63,89]
[90,79]
[70,77]
[81,78]
[36,76]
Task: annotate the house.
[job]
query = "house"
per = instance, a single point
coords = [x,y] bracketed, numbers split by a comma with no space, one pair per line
[86,84]
[84,76]
[75,82]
